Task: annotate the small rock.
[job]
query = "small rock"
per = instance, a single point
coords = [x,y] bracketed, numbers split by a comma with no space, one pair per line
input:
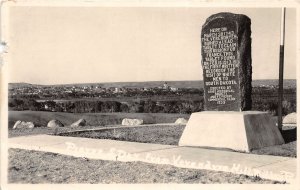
[55,123]
[80,122]
[181,121]
[132,122]
[23,125]
[290,118]
[16,124]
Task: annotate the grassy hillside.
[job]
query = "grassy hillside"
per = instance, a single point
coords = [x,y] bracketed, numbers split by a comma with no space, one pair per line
[95,119]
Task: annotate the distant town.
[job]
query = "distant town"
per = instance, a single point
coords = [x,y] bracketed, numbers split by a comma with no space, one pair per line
[25,90]
[140,97]
[91,91]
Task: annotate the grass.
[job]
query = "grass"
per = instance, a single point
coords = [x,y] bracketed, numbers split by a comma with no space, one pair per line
[41,118]
[287,150]
[47,130]
[170,135]
[158,134]
[94,120]
[41,167]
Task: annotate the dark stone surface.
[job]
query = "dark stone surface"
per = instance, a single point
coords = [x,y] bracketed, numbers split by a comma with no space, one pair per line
[226,62]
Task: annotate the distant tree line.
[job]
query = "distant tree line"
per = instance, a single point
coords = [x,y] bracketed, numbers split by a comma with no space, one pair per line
[149,106]
[266,99]
[130,92]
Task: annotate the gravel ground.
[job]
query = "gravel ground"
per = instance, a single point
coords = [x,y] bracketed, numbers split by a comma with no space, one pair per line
[42,167]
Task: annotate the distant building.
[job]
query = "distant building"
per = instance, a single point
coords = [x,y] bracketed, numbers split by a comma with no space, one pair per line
[173,89]
[166,86]
[117,90]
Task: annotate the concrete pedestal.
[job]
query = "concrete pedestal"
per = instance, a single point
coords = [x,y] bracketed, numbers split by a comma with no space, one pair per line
[242,131]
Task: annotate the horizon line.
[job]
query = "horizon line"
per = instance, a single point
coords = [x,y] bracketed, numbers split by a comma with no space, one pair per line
[126,82]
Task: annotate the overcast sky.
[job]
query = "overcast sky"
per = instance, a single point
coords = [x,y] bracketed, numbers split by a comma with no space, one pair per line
[56,45]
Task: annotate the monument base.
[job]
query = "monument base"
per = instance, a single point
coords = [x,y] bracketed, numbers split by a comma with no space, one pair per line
[241,131]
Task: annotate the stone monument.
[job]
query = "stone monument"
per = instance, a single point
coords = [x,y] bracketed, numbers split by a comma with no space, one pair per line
[227,75]
[226,62]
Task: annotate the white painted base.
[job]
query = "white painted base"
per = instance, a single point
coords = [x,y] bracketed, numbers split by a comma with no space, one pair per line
[242,131]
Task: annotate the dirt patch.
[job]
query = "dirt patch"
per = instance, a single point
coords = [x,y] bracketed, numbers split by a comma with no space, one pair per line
[42,167]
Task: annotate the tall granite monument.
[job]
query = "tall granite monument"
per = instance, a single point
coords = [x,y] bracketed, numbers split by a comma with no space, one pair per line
[227,75]
[226,62]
